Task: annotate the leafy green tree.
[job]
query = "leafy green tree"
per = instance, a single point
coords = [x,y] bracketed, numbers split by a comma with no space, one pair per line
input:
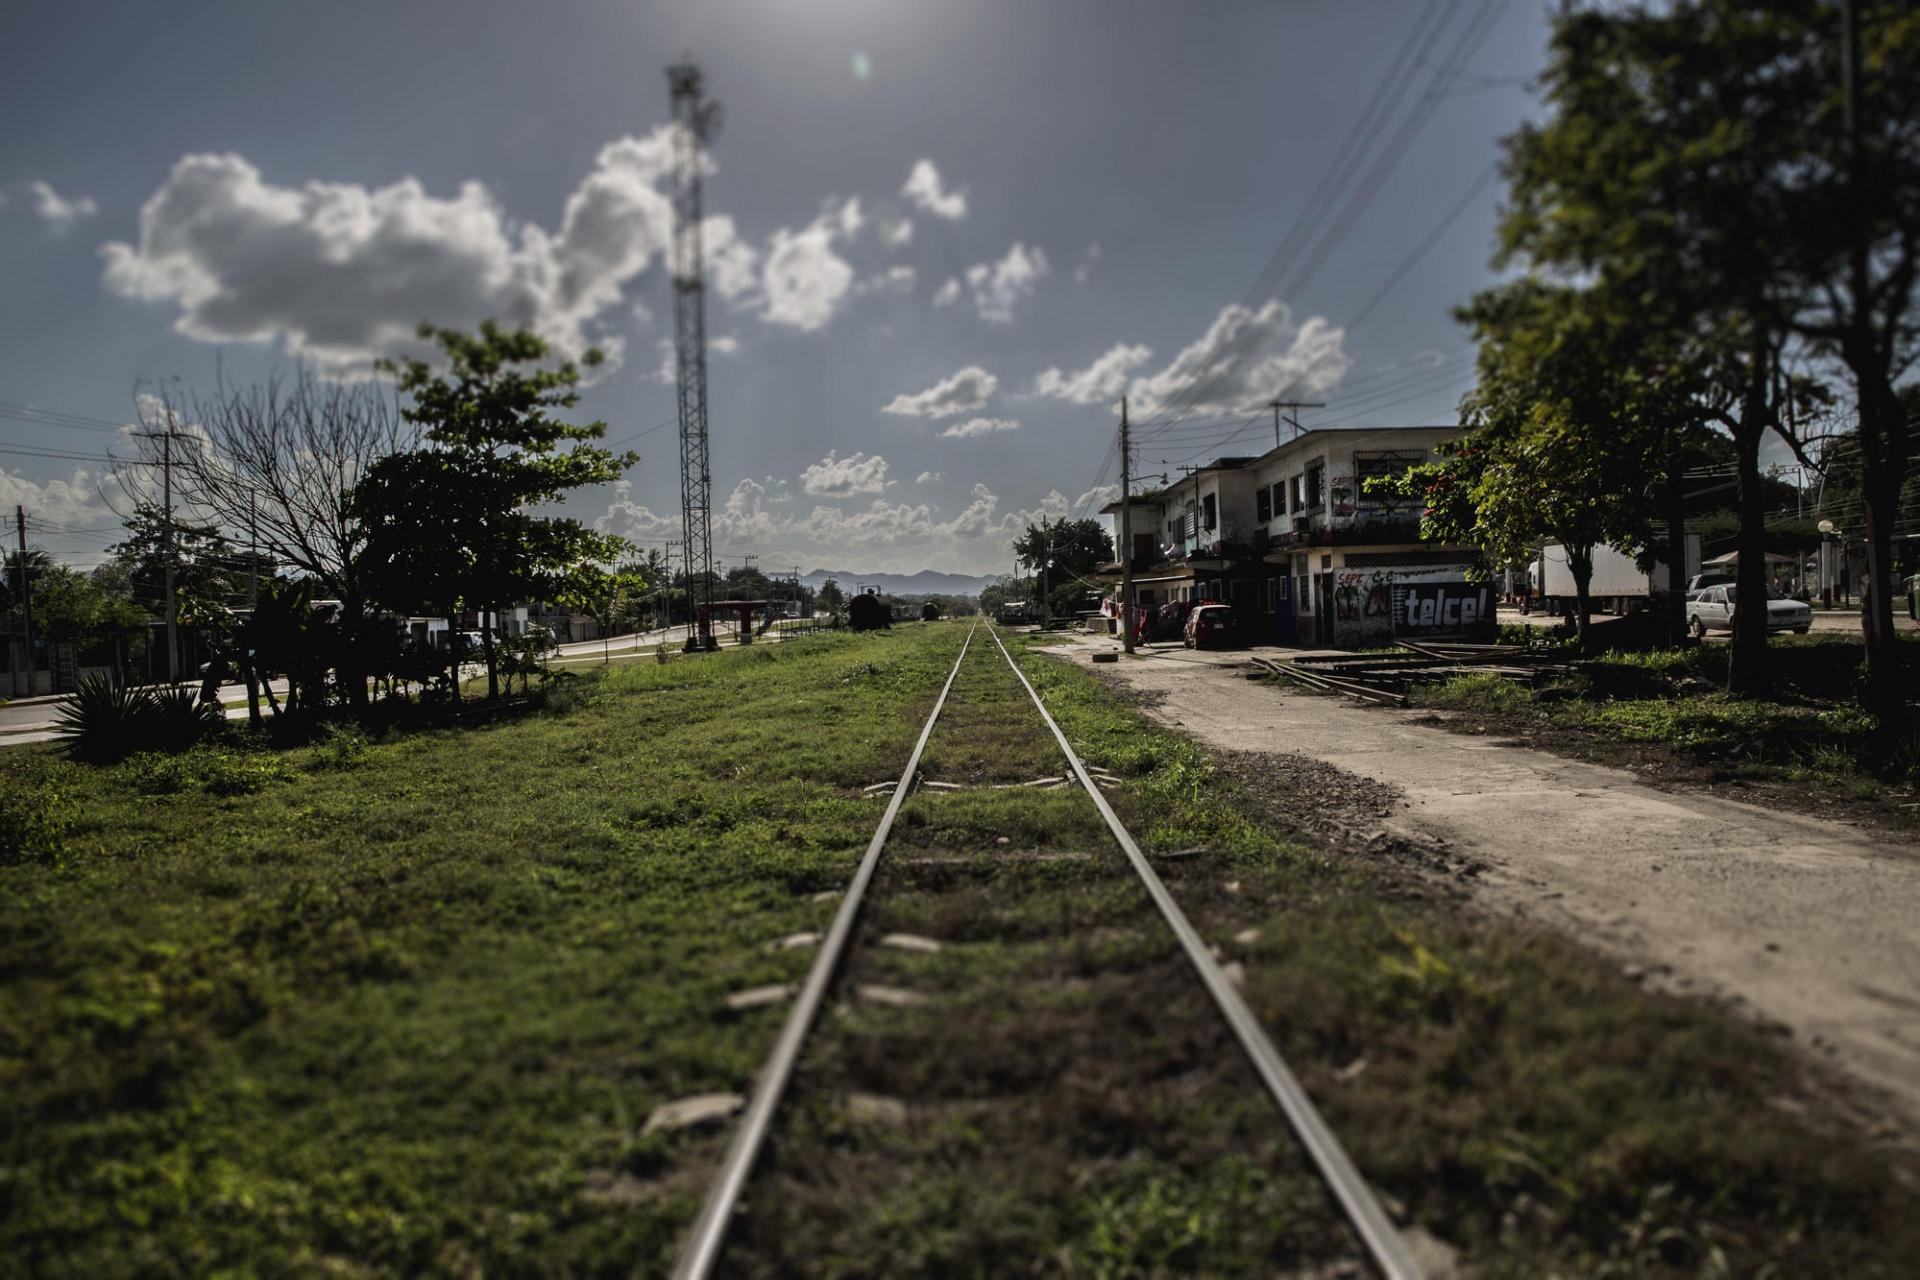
[463,504]
[831,595]
[1066,552]
[76,608]
[748,583]
[1663,174]
[1560,439]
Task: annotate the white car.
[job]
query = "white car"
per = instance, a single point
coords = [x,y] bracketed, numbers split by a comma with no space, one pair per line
[1712,610]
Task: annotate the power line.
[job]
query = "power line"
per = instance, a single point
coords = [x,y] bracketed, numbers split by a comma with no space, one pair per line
[1360,142]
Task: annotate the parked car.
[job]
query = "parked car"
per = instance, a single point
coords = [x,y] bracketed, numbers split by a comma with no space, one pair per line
[1701,581]
[1210,624]
[1712,610]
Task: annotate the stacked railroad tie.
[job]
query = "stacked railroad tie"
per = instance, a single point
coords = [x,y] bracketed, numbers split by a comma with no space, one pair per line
[1385,677]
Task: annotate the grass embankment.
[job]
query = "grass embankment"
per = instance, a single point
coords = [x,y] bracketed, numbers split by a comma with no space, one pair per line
[404,1006]
[1809,742]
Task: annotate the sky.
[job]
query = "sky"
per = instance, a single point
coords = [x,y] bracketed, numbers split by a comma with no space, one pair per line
[943,239]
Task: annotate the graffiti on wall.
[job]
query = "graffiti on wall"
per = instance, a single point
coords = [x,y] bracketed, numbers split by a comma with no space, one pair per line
[1341,494]
[1434,602]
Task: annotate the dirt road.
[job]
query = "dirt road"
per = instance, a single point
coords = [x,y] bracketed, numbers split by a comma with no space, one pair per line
[1813,925]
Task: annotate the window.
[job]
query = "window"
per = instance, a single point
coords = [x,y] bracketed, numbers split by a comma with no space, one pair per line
[1263,504]
[1206,512]
[1299,493]
[1316,484]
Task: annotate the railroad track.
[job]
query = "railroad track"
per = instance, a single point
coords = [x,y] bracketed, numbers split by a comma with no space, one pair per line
[702,1253]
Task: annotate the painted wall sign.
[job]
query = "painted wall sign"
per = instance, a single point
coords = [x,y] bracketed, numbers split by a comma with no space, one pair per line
[1443,608]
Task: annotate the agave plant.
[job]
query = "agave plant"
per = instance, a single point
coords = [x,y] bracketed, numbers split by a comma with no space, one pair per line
[177,719]
[105,720]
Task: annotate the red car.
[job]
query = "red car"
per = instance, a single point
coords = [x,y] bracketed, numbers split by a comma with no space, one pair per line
[1209,624]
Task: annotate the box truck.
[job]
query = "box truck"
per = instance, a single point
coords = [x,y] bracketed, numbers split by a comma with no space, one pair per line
[1619,584]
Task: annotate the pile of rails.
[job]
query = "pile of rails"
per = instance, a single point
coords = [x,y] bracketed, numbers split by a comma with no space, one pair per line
[1385,677]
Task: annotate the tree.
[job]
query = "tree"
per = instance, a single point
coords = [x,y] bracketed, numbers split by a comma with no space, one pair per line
[492,452]
[277,464]
[72,607]
[1855,199]
[1559,441]
[748,583]
[1664,175]
[1065,552]
[831,595]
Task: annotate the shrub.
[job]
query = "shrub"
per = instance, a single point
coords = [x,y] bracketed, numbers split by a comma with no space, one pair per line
[1480,692]
[104,720]
[340,747]
[214,771]
[34,814]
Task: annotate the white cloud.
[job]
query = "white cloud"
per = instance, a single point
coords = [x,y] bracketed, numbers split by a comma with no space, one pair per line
[340,273]
[732,265]
[996,286]
[930,477]
[924,189]
[833,477]
[898,279]
[803,279]
[896,233]
[881,536]
[1087,259]
[980,427]
[962,392]
[1100,382]
[1245,359]
[668,371]
[849,218]
[57,211]
[642,313]
[73,501]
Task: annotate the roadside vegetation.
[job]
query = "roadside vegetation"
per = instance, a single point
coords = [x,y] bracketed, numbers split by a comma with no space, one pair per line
[1808,745]
[403,1001]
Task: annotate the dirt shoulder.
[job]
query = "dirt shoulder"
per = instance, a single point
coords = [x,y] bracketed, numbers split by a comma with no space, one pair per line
[1807,923]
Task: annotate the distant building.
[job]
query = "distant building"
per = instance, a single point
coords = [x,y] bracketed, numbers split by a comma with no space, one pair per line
[1305,555]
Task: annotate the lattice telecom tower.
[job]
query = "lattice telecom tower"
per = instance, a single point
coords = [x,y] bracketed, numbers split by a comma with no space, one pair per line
[696,122]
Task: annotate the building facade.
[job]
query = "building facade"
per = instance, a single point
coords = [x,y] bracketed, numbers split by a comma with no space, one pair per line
[1305,554]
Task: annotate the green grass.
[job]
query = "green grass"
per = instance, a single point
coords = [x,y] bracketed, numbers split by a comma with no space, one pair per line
[1810,728]
[403,1004]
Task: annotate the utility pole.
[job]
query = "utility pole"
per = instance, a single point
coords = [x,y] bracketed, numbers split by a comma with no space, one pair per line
[166,541]
[1126,531]
[26,600]
[666,598]
[1046,574]
[1293,408]
[253,552]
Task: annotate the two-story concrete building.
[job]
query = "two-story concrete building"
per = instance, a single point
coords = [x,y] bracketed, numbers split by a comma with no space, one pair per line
[1304,553]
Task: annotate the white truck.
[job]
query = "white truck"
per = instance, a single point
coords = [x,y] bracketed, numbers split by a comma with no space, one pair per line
[1619,584]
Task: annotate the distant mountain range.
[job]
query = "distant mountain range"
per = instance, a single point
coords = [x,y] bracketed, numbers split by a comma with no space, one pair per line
[927,582]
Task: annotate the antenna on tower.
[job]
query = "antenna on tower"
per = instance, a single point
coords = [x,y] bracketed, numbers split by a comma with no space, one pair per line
[696,123]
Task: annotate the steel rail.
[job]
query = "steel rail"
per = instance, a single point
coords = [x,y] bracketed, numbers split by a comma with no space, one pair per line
[1337,1170]
[702,1250]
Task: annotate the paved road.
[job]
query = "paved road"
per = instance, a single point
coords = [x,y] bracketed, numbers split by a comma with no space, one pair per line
[33,719]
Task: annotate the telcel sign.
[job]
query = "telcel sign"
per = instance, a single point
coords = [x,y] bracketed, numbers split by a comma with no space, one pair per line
[1451,606]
